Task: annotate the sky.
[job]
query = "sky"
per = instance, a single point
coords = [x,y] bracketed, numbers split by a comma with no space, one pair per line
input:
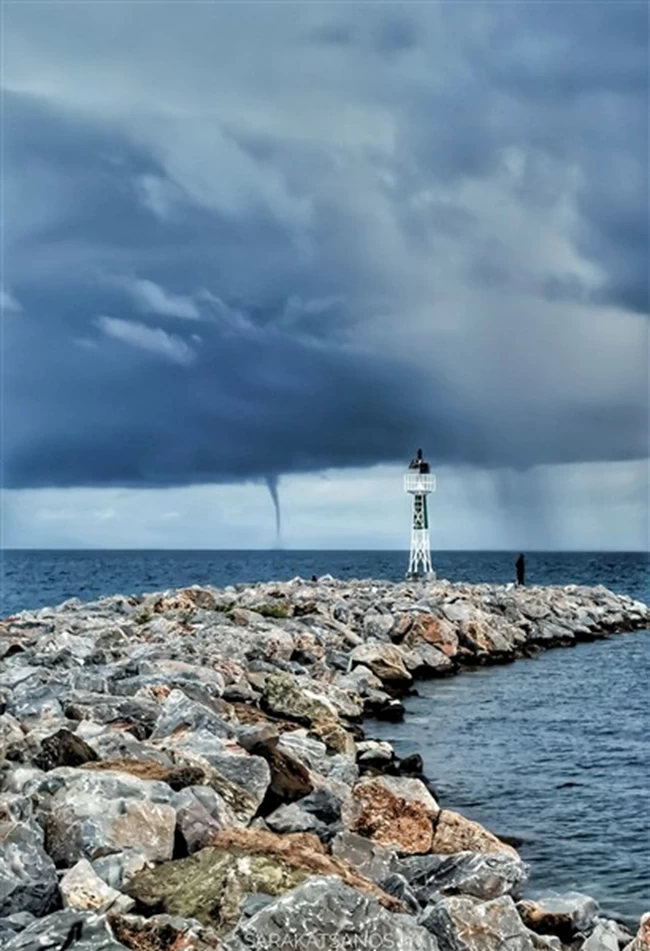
[254,254]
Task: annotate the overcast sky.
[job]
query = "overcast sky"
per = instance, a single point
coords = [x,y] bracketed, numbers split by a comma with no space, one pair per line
[258,249]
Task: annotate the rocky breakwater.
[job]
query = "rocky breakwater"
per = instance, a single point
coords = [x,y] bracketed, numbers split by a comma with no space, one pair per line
[187,770]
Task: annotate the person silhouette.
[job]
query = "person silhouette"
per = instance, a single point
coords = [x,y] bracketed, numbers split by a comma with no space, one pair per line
[520,568]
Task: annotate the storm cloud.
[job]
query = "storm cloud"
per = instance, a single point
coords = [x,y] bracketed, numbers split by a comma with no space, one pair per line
[242,242]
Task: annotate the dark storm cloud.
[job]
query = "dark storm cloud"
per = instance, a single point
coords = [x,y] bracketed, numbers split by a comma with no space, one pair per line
[356,296]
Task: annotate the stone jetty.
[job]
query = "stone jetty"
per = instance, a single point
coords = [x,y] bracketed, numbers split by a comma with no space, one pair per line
[188,770]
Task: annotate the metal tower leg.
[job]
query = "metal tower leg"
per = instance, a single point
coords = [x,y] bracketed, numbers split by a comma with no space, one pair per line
[420,557]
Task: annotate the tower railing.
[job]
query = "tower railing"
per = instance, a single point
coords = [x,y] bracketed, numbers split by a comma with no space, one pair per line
[419,482]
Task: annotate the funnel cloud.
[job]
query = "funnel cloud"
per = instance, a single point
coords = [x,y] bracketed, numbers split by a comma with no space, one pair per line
[386,235]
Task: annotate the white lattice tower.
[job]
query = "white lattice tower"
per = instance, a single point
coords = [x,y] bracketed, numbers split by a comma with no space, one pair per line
[419,483]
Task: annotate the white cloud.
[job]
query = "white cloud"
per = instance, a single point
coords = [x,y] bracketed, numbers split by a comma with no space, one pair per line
[151,298]
[152,339]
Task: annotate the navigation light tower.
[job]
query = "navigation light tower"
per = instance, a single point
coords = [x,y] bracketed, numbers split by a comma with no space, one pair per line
[419,482]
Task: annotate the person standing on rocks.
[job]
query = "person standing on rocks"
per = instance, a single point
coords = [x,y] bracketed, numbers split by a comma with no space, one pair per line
[520,568]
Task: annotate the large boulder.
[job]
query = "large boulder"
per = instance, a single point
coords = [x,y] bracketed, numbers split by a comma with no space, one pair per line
[395,812]
[464,924]
[385,661]
[28,879]
[564,915]
[240,778]
[211,884]
[67,929]
[368,858]
[324,912]
[438,632]
[200,814]
[455,833]
[482,875]
[89,813]
[285,696]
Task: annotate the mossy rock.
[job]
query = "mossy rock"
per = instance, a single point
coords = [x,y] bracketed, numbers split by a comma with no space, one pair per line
[273,609]
[211,884]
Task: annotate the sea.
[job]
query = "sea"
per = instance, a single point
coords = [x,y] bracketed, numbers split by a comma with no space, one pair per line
[554,750]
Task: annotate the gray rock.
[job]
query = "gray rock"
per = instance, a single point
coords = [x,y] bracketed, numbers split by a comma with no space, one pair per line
[28,879]
[179,714]
[397,886]
[375,751]
[465,924]
[83,890]
[200,814]
[241,779]
[483,875]
[605,937]
[324,909]
[89,813]
[16,922]
[80,931]
[291,818]
[117,868]
[368,858]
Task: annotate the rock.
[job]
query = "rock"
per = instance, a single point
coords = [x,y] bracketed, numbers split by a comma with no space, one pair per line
[200,814]
[290,779]
[138,716]
[83,890]
[368,858]
[377,625]
[383,707]
[384,660]
[63,748]
[211,884]
[90,813]
[396,812]
[481,875]
[375,752]
[455,833]
[464,924]
[28,879]
[319,812]
[291,818]
[339,916]
[176,777]
[180,715]
[117,868]
[322,804]
[604,937]
[164,933]
[284,696]
[437,632]
[240,778]
[564,915]
[15,923]
[642,940]
[397,886]
[77,930]
[13,743]
[411,765]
